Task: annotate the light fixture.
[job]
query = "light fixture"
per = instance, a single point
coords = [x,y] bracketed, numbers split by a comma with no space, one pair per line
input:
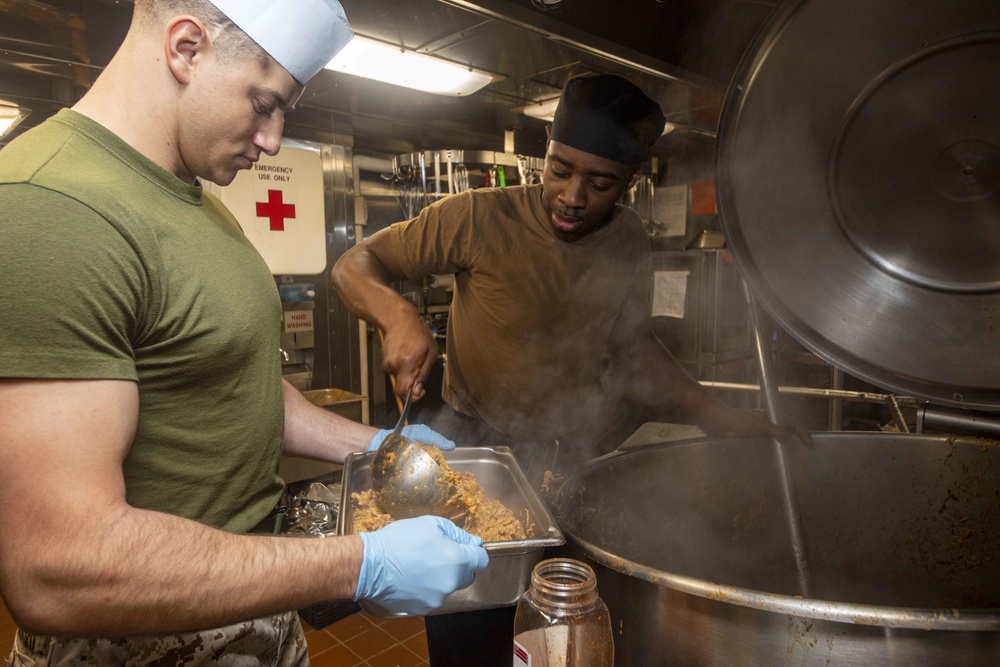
[384,62]
[546,110]
[10,116]
[543,110]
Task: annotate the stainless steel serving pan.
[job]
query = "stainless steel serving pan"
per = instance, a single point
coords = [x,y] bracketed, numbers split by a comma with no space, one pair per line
[509,571]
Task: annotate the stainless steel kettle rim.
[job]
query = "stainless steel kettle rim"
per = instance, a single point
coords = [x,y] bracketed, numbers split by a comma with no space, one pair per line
[968,620]
[889,541]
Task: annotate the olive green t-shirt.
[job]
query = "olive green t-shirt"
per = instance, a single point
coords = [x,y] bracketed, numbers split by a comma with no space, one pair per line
[532,317]
[113,268]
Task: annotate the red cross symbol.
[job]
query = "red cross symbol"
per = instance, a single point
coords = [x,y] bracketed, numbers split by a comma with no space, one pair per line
[275,210]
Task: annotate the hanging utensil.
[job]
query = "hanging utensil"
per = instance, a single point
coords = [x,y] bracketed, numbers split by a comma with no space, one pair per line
[461,177]
[423,178]
[451,176]
[437,175]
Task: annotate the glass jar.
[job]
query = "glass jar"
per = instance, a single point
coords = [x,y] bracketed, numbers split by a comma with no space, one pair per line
[561,620]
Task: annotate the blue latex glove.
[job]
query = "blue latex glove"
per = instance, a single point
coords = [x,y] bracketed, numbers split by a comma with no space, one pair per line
[411,566]
[418,432]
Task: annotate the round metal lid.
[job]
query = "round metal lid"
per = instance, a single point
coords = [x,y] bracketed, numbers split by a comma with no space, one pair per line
[858,172]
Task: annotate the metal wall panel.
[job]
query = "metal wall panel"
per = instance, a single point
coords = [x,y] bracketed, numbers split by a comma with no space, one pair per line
[337,357]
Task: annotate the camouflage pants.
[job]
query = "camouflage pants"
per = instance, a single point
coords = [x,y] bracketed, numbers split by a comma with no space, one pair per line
[272,641]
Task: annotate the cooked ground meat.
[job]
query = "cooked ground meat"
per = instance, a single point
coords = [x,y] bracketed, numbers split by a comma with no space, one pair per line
[485,517]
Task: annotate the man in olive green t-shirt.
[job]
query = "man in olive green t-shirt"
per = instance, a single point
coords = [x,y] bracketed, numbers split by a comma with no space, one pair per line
[142,408]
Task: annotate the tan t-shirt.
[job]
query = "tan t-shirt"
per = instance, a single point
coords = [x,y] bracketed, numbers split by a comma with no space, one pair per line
[532,314]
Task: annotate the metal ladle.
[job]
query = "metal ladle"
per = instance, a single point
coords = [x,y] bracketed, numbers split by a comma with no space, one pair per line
[407,481]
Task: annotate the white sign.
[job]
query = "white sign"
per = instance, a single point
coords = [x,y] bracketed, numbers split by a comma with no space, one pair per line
[670,206]
[669,293]
[298,320]
[279,204]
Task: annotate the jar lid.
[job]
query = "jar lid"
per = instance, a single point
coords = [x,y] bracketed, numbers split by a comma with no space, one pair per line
[858,171]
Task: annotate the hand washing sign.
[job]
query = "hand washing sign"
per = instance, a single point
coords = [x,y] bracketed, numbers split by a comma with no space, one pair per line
[298,320]
[279,204]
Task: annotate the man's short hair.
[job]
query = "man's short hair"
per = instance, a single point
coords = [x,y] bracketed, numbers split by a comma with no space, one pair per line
[229,40]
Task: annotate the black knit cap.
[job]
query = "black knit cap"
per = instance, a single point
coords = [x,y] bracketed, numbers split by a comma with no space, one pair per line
[608,116]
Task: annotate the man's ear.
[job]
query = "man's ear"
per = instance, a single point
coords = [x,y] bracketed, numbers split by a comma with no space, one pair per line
[632,179]
[187,40]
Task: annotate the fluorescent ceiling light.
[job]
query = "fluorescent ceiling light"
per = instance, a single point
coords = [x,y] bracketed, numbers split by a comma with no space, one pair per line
[543,110]
[371,59]
[546,110]
[10,116]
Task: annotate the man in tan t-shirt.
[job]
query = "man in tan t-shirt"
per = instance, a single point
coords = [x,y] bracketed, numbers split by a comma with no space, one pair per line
[549,332]
[549,327]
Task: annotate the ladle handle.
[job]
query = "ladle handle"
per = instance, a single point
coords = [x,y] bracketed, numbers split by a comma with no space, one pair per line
[403,413]
[392,378]
[399,401]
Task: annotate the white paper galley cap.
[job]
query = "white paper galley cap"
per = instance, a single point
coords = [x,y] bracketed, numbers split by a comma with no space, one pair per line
[302,35]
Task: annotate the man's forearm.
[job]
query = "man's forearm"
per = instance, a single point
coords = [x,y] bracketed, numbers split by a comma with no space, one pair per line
[139,572]
[77,559]
[313,432]
[362,277]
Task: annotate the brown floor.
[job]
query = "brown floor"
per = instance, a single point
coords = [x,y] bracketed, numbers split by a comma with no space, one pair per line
[359,640]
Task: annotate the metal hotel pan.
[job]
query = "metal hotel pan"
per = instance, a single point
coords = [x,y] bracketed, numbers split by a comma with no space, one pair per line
[509,571]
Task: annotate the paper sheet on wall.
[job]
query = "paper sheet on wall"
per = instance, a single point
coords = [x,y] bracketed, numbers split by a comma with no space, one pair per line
[670,210]
[669,292]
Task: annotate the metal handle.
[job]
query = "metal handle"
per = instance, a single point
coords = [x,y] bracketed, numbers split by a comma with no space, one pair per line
[403,413]
[769,391]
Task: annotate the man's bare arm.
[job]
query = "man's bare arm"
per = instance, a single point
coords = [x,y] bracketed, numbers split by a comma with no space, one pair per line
[363,278]
[76,559]
[315,433]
